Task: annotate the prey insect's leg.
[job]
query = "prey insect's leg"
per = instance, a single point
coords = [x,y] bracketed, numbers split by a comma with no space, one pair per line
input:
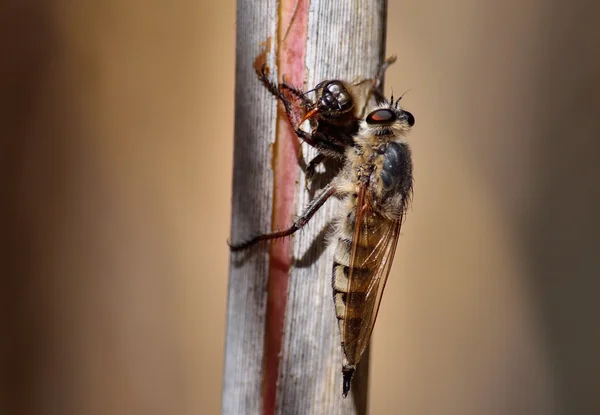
[271,85]
[379,77]
[280,90]
[308,213]
[376,83]
[277,91]
[296,92]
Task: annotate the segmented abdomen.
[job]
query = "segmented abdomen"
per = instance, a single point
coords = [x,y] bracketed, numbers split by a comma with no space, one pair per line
[349,300]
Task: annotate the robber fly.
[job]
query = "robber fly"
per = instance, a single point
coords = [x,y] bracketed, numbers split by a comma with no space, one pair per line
[333,116]
[375,185]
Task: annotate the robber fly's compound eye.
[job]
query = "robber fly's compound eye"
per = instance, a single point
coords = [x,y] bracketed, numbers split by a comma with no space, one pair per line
[381,116]
[410,119]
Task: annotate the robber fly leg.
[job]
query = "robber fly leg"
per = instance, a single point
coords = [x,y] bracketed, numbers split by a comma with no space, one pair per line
[306,137]
[328,145]
[312,165]
[308,213]
[309,171]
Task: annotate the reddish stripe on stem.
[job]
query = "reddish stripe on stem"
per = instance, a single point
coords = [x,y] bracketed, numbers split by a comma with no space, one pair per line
[293,21]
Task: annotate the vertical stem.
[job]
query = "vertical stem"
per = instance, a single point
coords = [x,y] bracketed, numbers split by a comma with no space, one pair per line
[252,204]
[291,40]
[282,347]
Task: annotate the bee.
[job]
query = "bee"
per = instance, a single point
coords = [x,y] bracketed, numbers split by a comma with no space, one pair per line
[375,185]
[333,116]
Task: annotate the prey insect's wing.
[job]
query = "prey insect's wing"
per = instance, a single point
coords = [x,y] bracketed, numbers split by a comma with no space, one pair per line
[374,244]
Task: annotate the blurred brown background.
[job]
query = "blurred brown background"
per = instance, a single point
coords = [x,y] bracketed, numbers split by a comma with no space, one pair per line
[116,151]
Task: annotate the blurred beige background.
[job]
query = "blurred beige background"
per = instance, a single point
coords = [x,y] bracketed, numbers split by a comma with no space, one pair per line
[116,168]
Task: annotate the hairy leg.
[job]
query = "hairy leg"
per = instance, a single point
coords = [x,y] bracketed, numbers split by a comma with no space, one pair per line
[308,213]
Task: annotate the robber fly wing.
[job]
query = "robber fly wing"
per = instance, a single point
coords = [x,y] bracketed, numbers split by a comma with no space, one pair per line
[374,244]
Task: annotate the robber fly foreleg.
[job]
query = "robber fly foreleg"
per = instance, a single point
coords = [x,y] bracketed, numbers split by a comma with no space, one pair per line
[312,165]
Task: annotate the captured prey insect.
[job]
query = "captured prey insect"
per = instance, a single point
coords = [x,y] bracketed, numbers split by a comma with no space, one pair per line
[375,185]
[334,115]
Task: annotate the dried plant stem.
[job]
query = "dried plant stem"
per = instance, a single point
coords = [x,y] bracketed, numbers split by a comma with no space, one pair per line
[282,344]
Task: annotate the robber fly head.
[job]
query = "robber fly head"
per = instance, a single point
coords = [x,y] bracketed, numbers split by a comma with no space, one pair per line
[389,118]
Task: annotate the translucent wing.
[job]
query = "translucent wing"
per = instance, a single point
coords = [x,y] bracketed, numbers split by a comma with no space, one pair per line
[373,247]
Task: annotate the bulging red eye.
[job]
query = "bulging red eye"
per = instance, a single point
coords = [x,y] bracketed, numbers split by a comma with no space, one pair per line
[381,116]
